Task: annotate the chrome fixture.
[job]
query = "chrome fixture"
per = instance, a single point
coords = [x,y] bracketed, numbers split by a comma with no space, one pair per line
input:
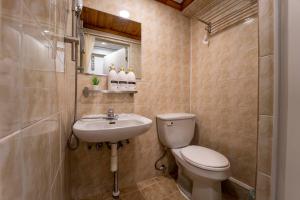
[207,33]
[111,115]
[221,14]
[73,141]
[78,6]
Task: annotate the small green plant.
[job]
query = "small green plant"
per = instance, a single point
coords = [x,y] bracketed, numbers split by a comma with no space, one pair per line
[95,80]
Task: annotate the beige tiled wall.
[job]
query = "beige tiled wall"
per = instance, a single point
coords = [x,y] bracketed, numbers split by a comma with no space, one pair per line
[35,118]
[37,97]
[164,88]
[224,94]
[266,87]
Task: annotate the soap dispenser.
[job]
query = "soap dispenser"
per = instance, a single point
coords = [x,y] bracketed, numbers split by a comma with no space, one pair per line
[122,79]
[112,79]
[131,80]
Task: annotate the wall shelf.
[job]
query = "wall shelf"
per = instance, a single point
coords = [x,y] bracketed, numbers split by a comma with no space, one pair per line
[87,91]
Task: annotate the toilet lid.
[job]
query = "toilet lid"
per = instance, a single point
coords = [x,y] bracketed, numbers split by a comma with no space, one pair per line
[176,116]
[204,158]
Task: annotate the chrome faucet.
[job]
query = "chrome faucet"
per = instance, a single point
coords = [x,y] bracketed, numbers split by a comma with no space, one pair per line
[111,114]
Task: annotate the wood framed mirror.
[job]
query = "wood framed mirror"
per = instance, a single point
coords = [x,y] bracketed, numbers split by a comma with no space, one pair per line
[108,40]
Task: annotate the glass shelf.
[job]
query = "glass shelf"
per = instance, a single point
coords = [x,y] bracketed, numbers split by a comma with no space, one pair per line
[86,91]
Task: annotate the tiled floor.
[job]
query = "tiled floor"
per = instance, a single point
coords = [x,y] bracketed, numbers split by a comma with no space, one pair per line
[158,188]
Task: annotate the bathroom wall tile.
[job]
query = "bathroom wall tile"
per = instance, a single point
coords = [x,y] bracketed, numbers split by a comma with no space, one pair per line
[60,17]
[38,104]
[11,167]
[56,189]
[38,78]
[263,187]
[40,47]
[265,144]
[28,75]
[39,95]
[266,27]
[37,159]
[68,24]
[69,64]
[59,57]
[233,191]
[266,85]
[10,38]
[55,145]
[61,89]
[224,95]
[11,8]
[42,11]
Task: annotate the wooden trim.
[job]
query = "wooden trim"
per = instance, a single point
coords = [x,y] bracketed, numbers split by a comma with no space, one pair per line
[186,3]
[105,22]
[97,28]
[174,4]
[171,3]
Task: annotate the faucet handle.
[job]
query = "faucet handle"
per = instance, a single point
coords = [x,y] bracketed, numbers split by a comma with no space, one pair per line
[110,112]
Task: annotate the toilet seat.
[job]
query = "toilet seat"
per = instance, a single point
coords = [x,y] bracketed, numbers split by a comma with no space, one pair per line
[204,158]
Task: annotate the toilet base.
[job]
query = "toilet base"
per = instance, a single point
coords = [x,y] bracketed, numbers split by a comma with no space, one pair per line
[199,188]
[206,189]
[184,193]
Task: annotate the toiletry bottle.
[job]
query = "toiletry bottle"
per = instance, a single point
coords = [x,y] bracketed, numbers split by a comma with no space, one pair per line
[131,80]
[122,79]
[112,79]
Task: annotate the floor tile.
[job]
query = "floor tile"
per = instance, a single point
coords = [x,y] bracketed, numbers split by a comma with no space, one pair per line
[157,188]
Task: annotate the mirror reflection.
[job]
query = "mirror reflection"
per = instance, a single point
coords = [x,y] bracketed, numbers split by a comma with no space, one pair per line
[104,54]
[109,41]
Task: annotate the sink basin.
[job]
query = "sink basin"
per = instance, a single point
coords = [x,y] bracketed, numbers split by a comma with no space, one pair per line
[94,128]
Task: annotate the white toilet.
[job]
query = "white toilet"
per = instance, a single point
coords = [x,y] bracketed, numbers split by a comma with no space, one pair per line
[201,170]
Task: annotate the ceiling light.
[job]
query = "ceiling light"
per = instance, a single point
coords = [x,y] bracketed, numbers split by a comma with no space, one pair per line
[104,43]
[46,31]
[124,14]
[249,20]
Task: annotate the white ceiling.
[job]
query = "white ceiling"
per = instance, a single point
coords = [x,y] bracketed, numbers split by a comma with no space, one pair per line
[107,45]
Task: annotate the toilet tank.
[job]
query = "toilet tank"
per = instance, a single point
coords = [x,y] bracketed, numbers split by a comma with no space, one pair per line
[175,130]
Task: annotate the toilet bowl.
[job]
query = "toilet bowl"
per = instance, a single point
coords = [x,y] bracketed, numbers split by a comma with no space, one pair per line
[204,173]
[201,168]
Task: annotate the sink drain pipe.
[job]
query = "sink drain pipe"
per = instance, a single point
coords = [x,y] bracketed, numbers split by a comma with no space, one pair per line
[114,169]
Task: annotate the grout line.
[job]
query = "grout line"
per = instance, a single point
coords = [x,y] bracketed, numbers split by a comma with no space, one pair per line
[263,174]
[262,115]
[37,122]
[190,84]
[9,136]
[267,55]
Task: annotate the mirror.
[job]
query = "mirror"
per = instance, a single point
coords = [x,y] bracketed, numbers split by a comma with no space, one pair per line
[109,40]
[106,53]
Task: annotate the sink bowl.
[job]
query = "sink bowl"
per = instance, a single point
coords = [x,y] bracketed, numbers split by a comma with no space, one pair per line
[94,128]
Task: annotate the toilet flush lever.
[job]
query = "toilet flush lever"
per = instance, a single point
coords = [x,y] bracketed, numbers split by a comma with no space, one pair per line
[170,123]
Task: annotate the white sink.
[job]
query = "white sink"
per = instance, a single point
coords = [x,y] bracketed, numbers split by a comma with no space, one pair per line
[94,128]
